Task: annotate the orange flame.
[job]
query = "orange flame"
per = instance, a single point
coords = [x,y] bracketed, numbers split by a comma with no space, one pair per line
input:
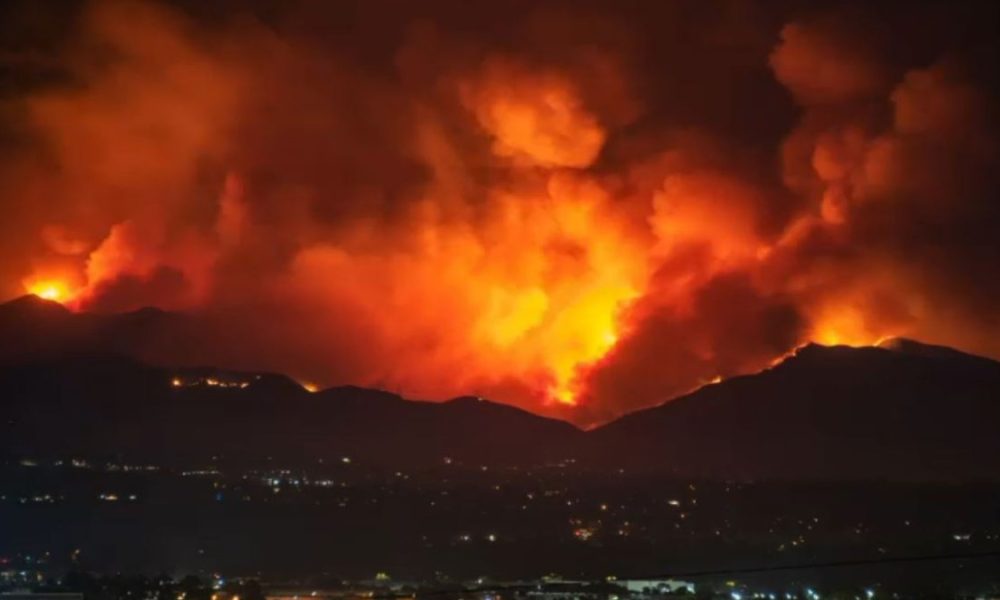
[55,290]
[486,220]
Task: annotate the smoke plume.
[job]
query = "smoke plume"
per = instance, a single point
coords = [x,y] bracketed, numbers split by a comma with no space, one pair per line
[577,208]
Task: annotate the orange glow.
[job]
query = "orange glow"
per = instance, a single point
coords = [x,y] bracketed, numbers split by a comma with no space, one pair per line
[541,222]
[845,326]
[536,118]
[595,343]
[535,296]
[55,290]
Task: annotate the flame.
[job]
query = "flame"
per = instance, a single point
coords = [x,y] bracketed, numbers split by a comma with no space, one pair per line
[514,220]
[847,326]
[530,299]
[596,344]
[55,290]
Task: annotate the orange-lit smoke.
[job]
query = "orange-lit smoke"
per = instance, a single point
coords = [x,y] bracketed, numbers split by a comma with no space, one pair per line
[530,216]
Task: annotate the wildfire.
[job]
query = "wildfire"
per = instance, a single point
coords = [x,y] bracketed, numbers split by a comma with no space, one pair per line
[54,290]
[846,326]
[522,220]
[597,343]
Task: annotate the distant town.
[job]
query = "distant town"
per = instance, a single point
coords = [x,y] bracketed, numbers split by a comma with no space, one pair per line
[34,585]
[341,529]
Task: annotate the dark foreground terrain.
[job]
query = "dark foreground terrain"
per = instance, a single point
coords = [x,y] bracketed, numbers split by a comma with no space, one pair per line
[348,520]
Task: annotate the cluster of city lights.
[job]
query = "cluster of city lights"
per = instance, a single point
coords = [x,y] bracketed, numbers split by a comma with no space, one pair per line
[178,382]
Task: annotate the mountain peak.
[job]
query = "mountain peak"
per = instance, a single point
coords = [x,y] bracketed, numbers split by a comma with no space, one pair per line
[814,352]
[31,303]
[901,410]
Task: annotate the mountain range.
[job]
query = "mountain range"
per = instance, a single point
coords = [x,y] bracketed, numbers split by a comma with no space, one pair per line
[78,384]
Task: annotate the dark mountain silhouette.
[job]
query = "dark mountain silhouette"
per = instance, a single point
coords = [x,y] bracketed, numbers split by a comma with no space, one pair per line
[32,328]
[75,384]
[110,406]
[903,411]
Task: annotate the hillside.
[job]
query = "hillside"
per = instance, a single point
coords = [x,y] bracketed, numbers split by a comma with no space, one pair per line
[904,411]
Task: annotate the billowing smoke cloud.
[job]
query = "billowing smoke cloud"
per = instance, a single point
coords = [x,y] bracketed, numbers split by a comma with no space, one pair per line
[577,208]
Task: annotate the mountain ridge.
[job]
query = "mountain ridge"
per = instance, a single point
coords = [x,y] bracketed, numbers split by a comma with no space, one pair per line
[901,410]
[864,411]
